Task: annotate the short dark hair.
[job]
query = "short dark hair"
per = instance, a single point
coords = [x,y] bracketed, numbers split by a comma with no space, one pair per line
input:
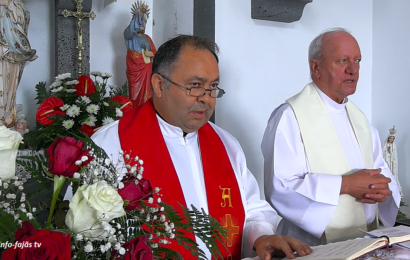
[168,53]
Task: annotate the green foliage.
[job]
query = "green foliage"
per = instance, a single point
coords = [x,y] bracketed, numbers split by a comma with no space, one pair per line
[400,214]
[121,91]
[7,227]
[42,92]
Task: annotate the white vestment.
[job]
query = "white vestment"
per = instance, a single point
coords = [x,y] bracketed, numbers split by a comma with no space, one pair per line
[307,201]
[261,219]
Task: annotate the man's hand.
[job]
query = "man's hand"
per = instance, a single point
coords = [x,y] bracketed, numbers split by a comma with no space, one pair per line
[267,246]
[369,186]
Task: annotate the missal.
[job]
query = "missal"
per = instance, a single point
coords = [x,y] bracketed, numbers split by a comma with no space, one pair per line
[355,248]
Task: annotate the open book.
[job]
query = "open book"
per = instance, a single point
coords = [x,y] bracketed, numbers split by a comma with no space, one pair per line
[351,249]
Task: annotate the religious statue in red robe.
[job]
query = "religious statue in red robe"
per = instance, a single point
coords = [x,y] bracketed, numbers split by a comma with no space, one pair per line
[141,49]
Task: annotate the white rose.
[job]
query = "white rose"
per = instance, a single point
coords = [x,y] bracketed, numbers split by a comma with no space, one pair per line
[90,205]
[9,143]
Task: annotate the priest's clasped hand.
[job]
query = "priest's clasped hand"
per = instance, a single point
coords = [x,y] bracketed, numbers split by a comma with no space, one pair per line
[369,186]
[276,245]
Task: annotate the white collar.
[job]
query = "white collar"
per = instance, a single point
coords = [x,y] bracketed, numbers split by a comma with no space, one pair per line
[330,103]
[169,130]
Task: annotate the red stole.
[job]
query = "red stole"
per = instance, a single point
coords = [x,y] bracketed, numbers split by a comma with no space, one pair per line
[139,132]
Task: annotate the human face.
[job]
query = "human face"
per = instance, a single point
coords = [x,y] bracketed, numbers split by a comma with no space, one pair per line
[391,139]
[338,71]
[193,68]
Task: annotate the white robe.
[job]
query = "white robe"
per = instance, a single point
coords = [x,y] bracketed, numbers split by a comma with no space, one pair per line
[261,219]
[307,201]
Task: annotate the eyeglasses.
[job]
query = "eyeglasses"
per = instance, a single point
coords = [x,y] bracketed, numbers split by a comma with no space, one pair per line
[199,91]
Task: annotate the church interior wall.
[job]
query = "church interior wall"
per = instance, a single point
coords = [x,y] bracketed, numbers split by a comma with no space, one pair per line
[390,77]
[261,62]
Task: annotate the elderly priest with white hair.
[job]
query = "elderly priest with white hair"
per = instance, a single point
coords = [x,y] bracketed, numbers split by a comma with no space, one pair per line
[324,167]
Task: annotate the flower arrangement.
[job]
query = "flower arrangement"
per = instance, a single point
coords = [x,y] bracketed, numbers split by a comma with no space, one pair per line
[77,106]
[113,214]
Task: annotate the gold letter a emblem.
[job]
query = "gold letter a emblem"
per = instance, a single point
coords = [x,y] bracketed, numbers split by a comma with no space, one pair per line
[226,195]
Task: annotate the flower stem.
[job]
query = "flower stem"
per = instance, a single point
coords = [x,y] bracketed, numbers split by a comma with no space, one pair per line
[58,184]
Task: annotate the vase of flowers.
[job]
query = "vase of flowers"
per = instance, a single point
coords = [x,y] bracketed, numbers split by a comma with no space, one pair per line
[113,214]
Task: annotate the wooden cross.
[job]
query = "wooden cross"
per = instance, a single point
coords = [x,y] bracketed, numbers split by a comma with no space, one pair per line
[79,15]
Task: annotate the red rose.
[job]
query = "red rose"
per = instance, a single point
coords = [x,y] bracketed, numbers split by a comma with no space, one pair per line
[85,87]
[126,103]
[38,244]
[49,107]
[88,130]
[63,154]
[137,249]
[134,193]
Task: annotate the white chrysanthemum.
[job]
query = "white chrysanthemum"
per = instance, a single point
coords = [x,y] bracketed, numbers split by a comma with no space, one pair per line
[93,109]
[106,75]
[89,247]
[63,76]
[56,83]
[68,124]
[72,82]
[83,99]
[90,121]
[55,90]
[73,111]
[95,73]
[118,112]
[64,107]
[107,120]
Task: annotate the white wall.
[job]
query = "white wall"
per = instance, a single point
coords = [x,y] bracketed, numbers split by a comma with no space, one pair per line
[107,45]
[391,77]
[262,63]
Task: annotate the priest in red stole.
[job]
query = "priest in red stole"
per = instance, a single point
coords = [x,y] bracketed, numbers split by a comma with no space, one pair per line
[140,51]
[194,161]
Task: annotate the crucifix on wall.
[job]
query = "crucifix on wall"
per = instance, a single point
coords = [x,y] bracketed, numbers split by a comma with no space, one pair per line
[73,36]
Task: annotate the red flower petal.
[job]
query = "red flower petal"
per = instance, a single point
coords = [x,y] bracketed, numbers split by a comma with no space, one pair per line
[88,130]
[85,87]
[49,107]
[125,102]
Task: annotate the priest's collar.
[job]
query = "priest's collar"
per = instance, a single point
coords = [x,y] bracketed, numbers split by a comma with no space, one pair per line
[171,130]
[330,103]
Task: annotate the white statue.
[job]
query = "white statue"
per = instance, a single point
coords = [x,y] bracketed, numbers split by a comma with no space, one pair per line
[390,156]
[15,51]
